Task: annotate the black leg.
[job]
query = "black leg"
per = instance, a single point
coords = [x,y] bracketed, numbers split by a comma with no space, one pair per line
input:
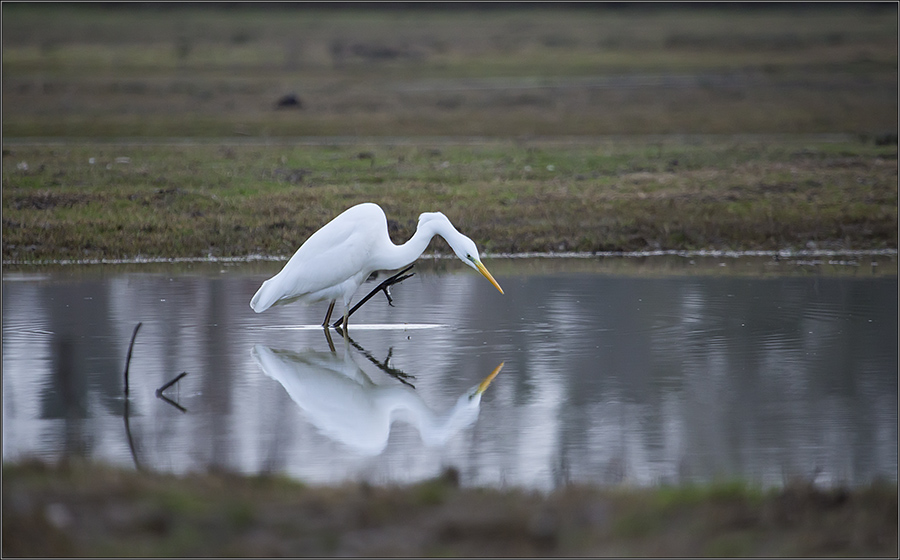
[383,287]
[328,315]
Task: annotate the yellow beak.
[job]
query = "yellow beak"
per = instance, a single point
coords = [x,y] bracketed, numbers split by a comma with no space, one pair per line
[486,274]
[487,380]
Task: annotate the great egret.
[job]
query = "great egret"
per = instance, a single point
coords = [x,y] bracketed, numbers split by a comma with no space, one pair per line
[342,402]
[338,258]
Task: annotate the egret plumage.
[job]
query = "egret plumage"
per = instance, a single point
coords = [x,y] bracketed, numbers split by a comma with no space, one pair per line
[339,257]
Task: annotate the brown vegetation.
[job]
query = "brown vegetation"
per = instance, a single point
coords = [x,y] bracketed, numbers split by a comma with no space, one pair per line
[90,510]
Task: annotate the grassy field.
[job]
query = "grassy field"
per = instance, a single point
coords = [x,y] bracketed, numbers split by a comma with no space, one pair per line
[87,201]
[82,71]
[89,510]
[593,129]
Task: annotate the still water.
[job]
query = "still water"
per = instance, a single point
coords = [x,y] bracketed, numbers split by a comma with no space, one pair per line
[612,374]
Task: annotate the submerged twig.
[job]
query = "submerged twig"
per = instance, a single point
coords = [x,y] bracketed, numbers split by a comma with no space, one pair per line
[170,383]
[137,464]
[128,359]
[159,392]
[171,402]
[134,456]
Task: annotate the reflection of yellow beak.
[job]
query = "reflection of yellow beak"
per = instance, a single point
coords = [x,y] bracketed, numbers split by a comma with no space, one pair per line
[487,380]
[486,274]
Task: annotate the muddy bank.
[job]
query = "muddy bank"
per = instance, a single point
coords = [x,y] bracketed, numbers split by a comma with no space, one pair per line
[93,510]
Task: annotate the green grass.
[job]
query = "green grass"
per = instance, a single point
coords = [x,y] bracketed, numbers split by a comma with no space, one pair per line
[237,200]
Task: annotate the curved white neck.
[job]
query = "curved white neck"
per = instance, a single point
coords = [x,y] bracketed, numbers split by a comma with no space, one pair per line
[402,255]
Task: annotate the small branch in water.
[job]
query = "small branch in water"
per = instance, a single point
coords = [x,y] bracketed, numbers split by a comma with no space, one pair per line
[134,456]
[159,392]
[171,402]
[128,359]
[170,383]
[137,463]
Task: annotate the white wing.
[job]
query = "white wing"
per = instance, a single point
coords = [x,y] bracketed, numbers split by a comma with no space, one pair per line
[334,260]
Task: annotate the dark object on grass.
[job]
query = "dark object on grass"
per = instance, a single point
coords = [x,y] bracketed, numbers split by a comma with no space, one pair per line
[289,101]
[887,139]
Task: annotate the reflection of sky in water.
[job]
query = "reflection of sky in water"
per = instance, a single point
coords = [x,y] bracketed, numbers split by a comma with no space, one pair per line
[608,379]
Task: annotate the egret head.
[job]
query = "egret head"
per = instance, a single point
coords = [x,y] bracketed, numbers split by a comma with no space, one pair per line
[462,246]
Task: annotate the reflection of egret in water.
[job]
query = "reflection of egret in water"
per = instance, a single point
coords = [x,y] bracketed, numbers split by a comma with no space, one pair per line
[344,404]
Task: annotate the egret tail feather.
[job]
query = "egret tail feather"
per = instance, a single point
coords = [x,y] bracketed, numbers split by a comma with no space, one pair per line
[265,297]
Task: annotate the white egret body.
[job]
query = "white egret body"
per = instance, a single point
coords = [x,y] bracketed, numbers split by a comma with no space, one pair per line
[345,405]
[337,259]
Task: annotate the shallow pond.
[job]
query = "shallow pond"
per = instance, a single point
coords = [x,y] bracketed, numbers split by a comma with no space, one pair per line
[634,371]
